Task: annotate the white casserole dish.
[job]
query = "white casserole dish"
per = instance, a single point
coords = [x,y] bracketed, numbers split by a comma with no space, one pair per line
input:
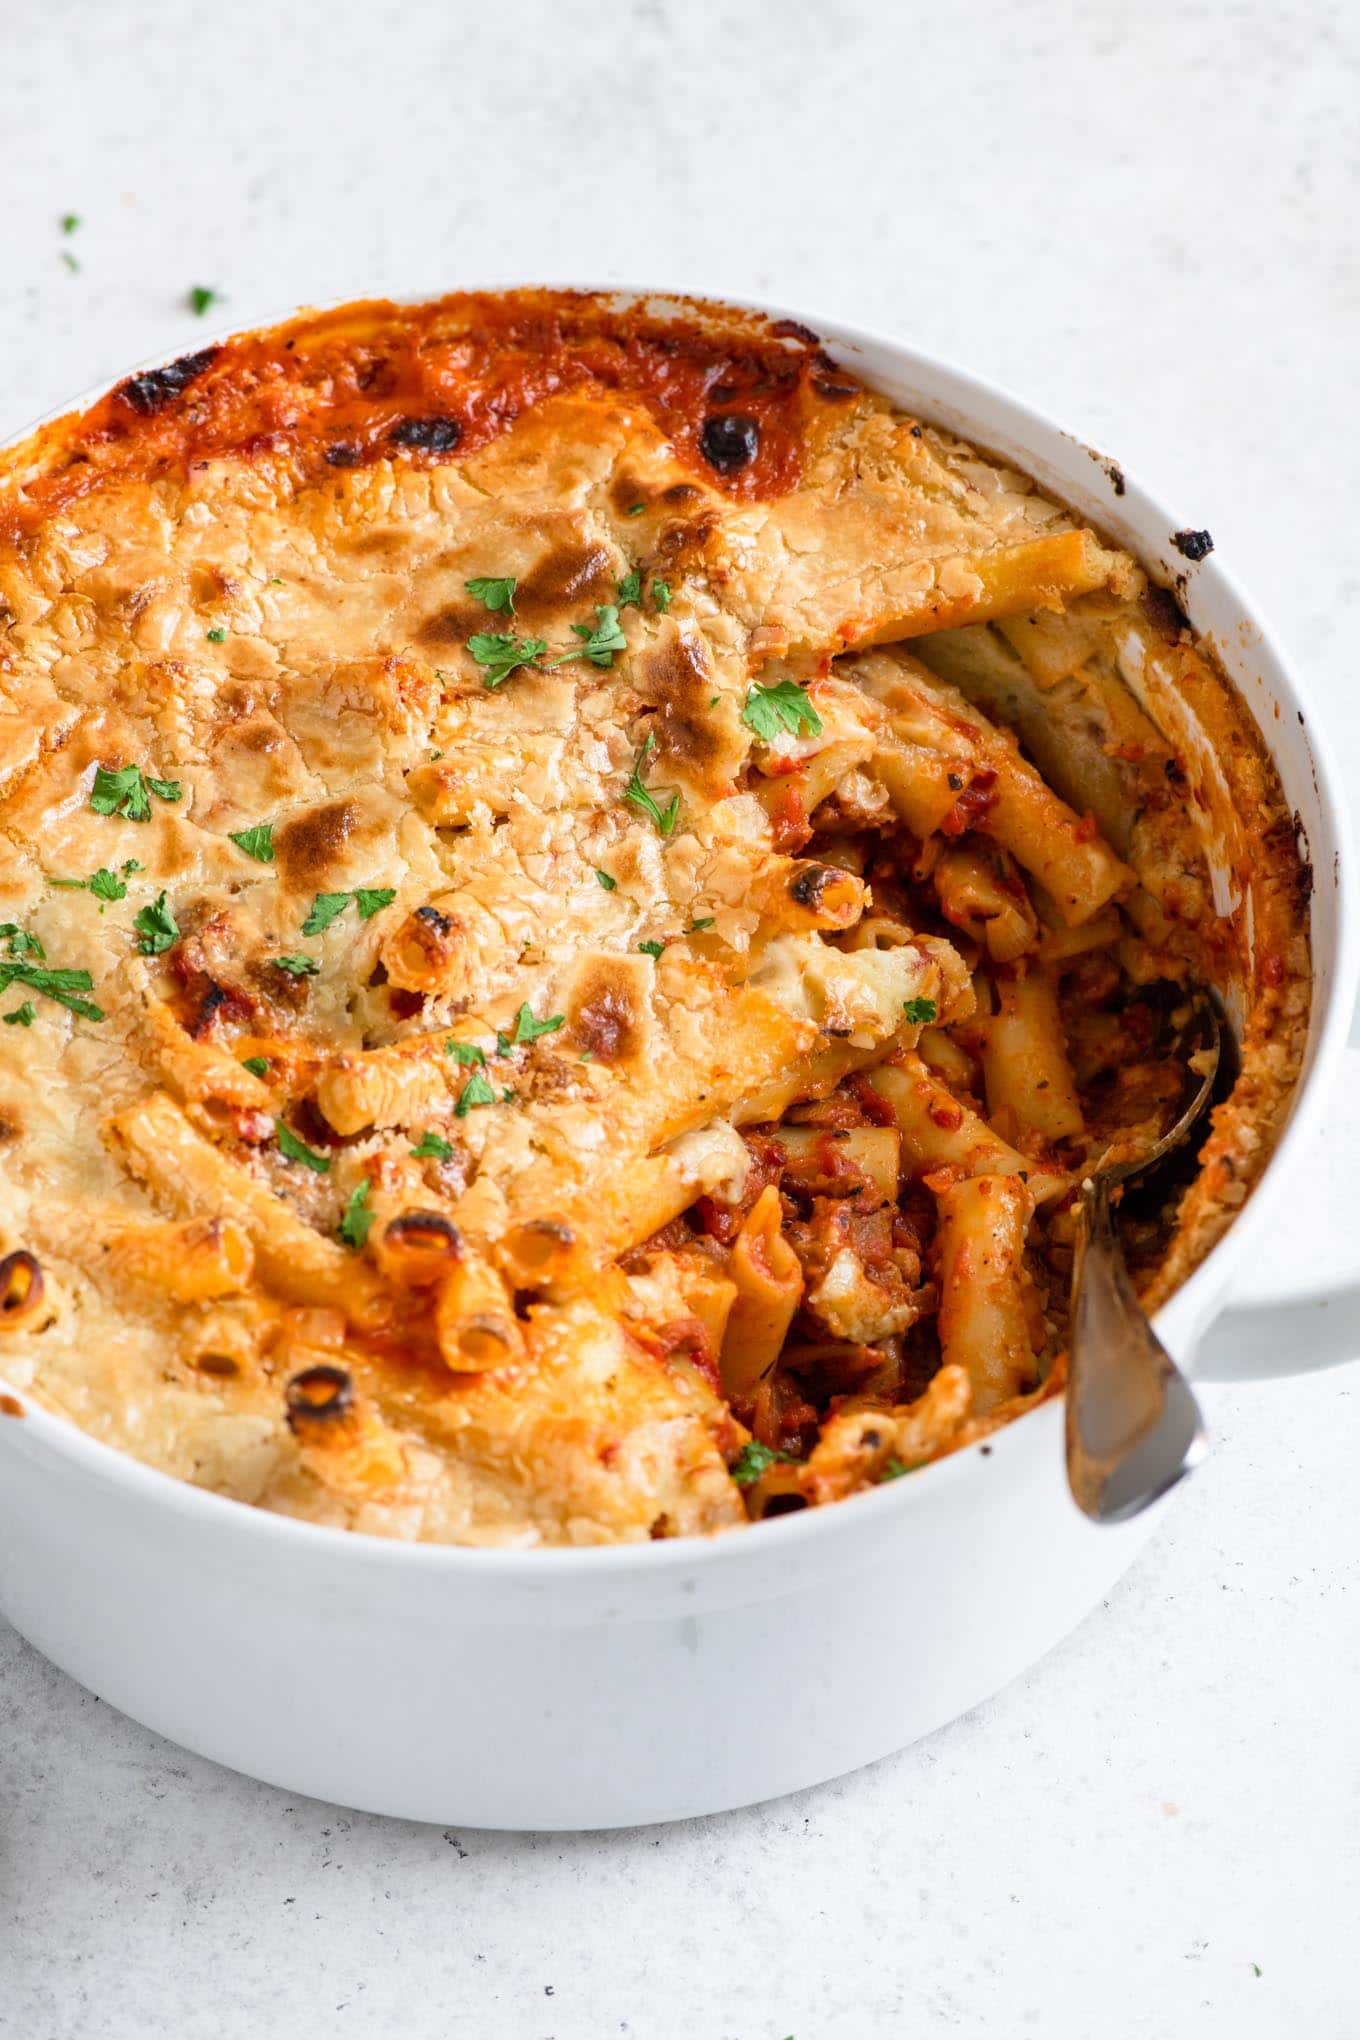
[606,1687]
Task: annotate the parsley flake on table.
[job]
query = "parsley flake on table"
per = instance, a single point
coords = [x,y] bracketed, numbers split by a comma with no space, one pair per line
[433,1147]
[202,298]
[753,1460]
[257,842]
[600,641]
[22,1016]
[493,592]
[70,221]
[636,794]
[325,908]
[127,792]
[499,654]
[630,589]
[606,881]
[371,899]
[476,1091]
[357,1222]
[294,1150]
[298,966]
[772,711]
[920,1012]
[157,928]
[467,1053]
[528,1029]
[258,1065]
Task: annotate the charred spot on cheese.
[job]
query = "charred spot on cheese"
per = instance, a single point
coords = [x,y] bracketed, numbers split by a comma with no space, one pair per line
[607,1008]
[319,1395]
[427,435]
[308,846]
[570,574]
[681,545]
[341,454]
[826,890]
[151,391]
[729,441]
[419,953]
[674,674]
[420,1247]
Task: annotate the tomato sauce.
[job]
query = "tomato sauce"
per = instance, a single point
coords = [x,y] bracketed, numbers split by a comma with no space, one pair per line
[435,382]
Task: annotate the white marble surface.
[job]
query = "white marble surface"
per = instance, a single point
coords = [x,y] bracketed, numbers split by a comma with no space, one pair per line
[1144,219]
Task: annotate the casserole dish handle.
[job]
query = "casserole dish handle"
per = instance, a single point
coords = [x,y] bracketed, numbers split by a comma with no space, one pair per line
[1300,1308]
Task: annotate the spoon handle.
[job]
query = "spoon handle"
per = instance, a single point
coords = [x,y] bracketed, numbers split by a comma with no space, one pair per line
[1133,1425]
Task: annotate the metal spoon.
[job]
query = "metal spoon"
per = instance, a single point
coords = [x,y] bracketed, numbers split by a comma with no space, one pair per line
[1133,1425]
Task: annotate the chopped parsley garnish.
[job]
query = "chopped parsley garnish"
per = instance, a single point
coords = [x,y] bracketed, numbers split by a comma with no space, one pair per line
[713,700]
[638,796]
[433,1147]
[202,298]
[636,509]
[62,985]
[630,589]
[467,1053]
[218,635]
[651,948]
[528,1029]
[358,1219]
[893,1469]
[753,1460]
[600,642]
[920,1012]
[606,881]
[106,885]
[126,792]
[770,711]
[493,593]
[157,928]
[506,1095]
[661,595]
[329,906]
[22,1016]
[257,842]
[698,927]
[295,1150]
[325,908]
[258,1065]
[298,966]
[435,757]
[476,1091]
[499,654]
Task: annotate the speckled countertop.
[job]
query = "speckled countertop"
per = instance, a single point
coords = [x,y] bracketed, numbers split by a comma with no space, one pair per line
[1145,222]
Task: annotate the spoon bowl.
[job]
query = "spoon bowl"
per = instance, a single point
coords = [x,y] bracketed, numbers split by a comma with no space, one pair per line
[1133,1426]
